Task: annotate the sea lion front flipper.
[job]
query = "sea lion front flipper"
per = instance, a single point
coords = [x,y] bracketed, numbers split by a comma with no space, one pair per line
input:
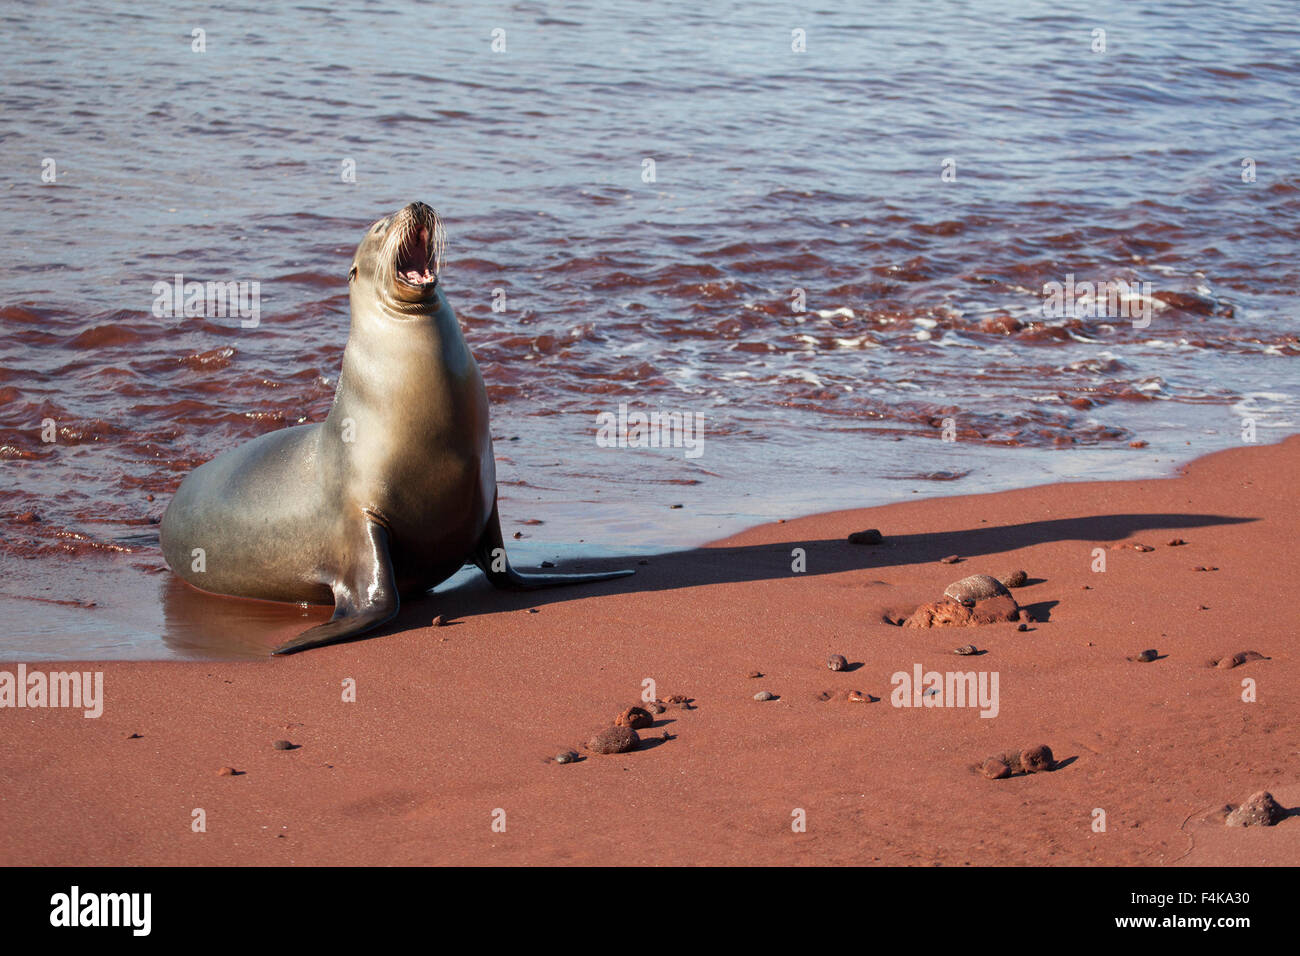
[364,599]
[490,555]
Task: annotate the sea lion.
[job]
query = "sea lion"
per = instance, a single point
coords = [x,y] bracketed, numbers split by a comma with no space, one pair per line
[391,494]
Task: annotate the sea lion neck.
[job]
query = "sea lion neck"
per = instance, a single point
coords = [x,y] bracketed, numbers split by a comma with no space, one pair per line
[409,321]
[386,347]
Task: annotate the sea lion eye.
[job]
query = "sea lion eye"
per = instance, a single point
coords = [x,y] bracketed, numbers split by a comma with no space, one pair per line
[352,273]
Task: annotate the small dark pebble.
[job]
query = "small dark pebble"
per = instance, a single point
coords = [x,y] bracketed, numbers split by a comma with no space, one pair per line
[284,745]
[966,650]
[1143,547]
[836,662]
[1022,626]
[519,534]
[439,621]
[1016,579]
[674,506]
[566,756]
[1176,542]
[753,674]
[533,610]
[870,536]
[1145,657]
[548,564]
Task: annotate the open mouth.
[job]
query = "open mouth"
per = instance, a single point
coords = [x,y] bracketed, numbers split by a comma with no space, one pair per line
[414,259]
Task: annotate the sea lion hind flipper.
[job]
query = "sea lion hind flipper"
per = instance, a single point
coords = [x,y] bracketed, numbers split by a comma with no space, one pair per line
[490,555]
[363,599]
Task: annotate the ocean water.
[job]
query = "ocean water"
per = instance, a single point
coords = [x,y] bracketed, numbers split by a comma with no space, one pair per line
[824,234]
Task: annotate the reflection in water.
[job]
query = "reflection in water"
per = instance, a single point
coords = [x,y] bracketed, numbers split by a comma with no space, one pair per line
[197,624]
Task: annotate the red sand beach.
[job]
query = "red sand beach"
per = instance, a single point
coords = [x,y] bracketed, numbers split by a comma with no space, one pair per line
[454,727]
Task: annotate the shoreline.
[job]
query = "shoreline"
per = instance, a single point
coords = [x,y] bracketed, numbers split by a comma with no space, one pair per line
[453,723]
[130,607]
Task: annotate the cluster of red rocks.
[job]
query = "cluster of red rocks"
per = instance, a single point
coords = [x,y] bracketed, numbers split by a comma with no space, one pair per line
[621,735]
[973,601]
[1235,660]
[982,599]
[1036,759]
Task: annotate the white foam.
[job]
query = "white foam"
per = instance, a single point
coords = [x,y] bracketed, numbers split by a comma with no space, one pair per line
[803,375]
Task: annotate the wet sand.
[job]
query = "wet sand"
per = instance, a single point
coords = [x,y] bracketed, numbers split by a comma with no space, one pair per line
[453,725]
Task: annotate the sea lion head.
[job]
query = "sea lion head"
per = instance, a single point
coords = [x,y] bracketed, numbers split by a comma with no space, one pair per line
[398,260]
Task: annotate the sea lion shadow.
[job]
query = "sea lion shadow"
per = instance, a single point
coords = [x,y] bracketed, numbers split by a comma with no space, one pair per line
[763,562]
[206,625]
